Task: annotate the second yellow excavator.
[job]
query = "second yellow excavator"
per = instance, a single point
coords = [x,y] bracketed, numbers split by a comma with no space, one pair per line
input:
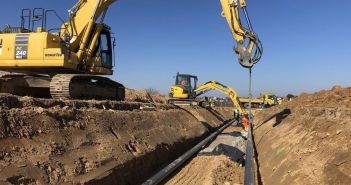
[186,90]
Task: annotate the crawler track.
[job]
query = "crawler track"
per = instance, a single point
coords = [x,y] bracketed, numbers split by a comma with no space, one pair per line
[62,86]
[80,86]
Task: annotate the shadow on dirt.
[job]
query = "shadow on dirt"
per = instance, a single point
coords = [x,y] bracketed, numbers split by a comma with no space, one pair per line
[279,117]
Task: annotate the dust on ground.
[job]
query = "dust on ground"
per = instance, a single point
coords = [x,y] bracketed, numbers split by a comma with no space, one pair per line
[307,140]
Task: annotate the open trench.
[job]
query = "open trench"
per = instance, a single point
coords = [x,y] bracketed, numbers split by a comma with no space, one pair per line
[95,142]
[306,141]
[219,162]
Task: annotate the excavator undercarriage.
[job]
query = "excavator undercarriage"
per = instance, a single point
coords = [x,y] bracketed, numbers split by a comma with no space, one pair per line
[62,86]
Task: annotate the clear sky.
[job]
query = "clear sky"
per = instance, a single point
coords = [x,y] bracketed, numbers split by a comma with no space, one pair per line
[306,42]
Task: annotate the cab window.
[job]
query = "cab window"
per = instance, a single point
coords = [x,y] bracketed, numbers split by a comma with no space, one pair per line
[103,49]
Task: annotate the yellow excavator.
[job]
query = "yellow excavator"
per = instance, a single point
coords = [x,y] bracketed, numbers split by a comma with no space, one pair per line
[186,90]
[265,100]
[62,62]
[66,62]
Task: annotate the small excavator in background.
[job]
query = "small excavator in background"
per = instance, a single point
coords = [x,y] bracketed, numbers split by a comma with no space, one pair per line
[264,101]
[66,62]
[185,91]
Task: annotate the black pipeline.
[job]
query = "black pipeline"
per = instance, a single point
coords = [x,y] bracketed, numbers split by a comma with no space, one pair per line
[249,178]
[165,172]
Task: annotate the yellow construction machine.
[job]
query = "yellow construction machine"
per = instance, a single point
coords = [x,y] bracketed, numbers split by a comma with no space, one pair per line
[66,62]
[266,100]
[185,91]
[184,87]
[61,62]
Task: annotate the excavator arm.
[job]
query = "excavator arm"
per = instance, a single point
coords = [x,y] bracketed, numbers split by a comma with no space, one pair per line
[249,47]
[85,13]
[82,28]
[213,85]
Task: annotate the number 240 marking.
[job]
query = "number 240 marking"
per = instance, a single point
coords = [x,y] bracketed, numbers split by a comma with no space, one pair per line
[21,53]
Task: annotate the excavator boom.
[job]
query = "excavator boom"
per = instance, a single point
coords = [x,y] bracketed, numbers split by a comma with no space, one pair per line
[83,17]
[249,47]
[213,85]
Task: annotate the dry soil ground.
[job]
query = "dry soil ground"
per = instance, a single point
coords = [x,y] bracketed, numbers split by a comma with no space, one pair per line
[45,141]
[220,163]
[306,141]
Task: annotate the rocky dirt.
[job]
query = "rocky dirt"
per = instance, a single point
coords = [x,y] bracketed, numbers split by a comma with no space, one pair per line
[142,96]
[44,141]
[307,140]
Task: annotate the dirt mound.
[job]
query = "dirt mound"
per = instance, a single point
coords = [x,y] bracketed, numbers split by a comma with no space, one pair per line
[94,142]
[207,170]
[306,141]
[142,96]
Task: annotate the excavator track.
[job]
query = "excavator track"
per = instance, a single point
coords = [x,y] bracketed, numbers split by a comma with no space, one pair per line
[62,86]
[81,86]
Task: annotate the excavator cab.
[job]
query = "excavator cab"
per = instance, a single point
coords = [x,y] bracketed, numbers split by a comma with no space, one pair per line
[270,100]
[103,49]
[184,86]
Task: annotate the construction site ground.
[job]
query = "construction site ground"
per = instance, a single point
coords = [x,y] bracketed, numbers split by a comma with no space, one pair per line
[307,140]
[221,162]
[45,141]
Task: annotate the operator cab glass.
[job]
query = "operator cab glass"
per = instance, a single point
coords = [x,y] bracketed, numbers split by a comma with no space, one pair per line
[273,97]
[182,80]
[187,82]
[103,49]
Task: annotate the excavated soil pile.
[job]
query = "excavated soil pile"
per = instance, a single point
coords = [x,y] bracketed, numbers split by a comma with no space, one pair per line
[142,96]
[207,170]
[306,141]
[45,141]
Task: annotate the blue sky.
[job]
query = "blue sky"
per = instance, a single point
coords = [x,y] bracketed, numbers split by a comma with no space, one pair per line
[306,43]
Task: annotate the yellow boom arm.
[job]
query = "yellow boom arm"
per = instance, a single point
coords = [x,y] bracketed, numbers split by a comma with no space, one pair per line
[213,85]
[80,27]
[249,47]
[85,13]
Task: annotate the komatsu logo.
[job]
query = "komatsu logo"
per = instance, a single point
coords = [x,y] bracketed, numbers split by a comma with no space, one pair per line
[53,54]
